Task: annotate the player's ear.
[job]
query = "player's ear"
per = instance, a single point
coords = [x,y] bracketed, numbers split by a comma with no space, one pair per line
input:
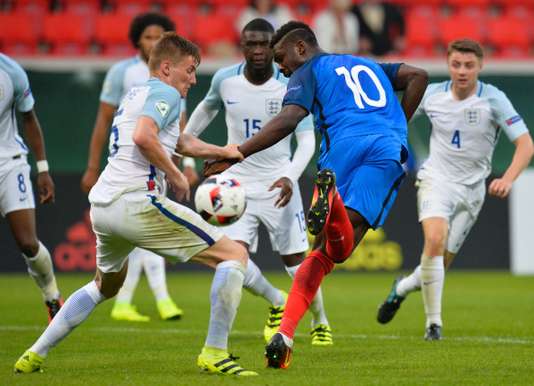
[300,47]
[165,67]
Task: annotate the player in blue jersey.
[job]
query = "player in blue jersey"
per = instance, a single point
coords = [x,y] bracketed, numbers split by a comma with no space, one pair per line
[364,144]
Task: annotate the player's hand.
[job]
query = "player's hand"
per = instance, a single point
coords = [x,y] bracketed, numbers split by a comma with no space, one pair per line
[191,175]
[231,152]
[500,187]
[212,167]
[89,179]
[179,185]
[45,187]
[286,191]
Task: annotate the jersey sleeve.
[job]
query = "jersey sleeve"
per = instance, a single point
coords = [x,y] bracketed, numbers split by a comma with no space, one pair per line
[391,70]
[505,115]
[22,93]
[162,105]
[213,98]
[301,88]
[112,89]
[305,125]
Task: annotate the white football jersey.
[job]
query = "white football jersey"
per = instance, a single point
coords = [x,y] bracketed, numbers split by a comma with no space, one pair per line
[127,169]
[122,77]
[15,94]
[248,108]
[465,132]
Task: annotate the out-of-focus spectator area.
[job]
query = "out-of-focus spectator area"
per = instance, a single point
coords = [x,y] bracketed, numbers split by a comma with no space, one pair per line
[415,28]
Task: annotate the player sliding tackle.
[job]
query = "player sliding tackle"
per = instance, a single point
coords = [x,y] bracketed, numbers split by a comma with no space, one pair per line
[364,144]
[466,117]
[128,209]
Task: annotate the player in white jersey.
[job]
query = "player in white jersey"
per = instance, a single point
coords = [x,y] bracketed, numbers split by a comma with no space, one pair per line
[467,117]
[252,93]
[145,30]
[16,193]
[128,209]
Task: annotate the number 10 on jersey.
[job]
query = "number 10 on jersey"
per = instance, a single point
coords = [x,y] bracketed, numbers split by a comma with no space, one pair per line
[252,126]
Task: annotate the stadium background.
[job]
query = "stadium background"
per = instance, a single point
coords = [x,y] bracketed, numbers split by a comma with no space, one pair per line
[68,45]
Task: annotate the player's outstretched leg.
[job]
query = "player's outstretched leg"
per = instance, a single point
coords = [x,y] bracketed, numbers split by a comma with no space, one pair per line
[123,308]
[225,296]
[321,332]
[154,266]
[401,288]
[322,199]
[307,280]
[258,285]
[76,309]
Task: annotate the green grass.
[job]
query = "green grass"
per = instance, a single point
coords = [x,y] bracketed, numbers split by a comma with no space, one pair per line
[489,336]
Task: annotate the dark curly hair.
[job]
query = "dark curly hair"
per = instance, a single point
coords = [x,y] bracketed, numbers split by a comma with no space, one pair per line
[259,25]
[298,31]
[142,21]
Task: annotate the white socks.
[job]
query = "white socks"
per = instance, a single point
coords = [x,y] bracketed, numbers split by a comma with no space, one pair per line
[41,269]
[410,283]
[225,296]
[316,306]
[135,265]
[258,285]
[155,273]
[75,310]
[432,277]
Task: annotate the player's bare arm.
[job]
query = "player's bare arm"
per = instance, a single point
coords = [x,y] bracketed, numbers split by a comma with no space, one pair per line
[413,82]
[146,138]
[34,137]
[191,146]
[99,137]
[524,150]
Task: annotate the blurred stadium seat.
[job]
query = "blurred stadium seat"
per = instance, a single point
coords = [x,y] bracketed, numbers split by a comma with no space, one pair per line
[76,27]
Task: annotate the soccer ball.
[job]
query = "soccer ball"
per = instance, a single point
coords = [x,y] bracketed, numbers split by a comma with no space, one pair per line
[220,201]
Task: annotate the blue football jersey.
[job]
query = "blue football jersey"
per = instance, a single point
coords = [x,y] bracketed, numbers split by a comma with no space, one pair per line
[349,96]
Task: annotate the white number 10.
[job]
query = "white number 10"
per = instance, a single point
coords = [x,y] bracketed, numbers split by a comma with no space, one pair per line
[352,81]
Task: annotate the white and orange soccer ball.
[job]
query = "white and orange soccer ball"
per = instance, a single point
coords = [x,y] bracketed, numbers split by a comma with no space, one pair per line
[220,201]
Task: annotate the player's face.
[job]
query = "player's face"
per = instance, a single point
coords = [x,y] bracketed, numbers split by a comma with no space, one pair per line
[463,69]
[287,57]
[148,39]
[182,75]
[256,50]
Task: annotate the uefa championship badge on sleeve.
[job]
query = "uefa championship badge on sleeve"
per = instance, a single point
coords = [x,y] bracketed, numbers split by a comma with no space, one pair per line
[162,107]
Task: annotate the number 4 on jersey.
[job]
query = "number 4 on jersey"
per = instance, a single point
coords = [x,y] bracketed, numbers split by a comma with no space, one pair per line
[456,138]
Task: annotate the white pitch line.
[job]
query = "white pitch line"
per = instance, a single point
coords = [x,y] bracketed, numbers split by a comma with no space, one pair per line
[506,340]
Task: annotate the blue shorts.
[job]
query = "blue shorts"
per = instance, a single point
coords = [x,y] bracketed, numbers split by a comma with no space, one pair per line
[368,174]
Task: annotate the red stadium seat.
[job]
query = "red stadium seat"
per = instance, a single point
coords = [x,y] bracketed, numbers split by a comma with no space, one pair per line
[30,6]
[460,26]
[183,17]
[212,28]
[469,3]
[420,31]
[68,33]
[19,33]
[111,32]
[509,35]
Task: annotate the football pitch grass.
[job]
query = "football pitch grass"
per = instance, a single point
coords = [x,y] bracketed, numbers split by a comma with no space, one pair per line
[488,336]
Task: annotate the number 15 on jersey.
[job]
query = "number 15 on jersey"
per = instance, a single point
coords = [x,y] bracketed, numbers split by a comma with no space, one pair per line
[252,126]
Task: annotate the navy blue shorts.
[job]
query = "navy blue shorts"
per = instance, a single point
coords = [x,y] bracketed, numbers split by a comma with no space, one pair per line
[368,174]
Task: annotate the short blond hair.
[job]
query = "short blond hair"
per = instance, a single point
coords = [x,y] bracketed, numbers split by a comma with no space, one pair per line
[172,46]
[466,46]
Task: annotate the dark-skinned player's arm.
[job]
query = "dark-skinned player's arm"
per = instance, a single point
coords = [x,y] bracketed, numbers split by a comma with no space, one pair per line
[274,131]
[412,81]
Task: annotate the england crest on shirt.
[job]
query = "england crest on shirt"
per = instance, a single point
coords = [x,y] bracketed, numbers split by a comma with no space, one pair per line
[273,106]
[472,116]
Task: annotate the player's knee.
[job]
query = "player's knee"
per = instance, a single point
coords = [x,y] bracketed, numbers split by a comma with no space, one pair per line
[241,254]
[435,242]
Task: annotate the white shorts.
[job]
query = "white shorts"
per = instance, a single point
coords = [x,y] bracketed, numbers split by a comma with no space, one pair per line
[286,226]
[16,191]
[458,204]
[155,223]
